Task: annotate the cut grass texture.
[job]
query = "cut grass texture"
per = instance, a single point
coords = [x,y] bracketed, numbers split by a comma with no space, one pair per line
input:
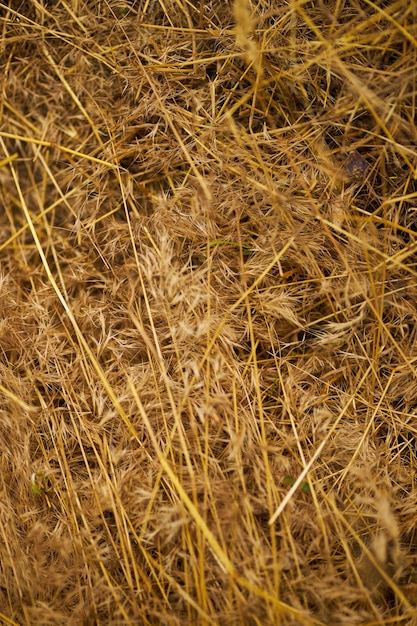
[208,307]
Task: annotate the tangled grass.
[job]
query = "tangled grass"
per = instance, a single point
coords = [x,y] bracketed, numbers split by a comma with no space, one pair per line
[208,307]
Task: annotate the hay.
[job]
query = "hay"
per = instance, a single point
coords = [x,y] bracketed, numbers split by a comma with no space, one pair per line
[208,312]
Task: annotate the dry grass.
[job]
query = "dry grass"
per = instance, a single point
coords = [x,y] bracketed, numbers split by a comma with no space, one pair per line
[208,314]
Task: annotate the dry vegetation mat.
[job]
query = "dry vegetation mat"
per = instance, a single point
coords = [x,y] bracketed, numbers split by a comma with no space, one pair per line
[208,305]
